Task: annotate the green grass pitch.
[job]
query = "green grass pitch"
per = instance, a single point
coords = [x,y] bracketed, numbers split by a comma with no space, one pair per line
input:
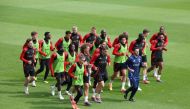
[19,17]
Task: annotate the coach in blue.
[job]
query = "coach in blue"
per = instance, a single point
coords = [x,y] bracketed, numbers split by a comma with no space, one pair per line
[133,65]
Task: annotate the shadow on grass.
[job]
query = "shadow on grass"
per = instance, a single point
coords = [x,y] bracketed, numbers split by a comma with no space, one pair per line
[11,82]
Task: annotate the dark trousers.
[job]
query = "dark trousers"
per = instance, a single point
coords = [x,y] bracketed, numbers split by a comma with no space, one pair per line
[43,63]
[79,90]
[134,87]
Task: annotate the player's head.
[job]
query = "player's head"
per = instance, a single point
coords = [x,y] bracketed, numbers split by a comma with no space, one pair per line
[67,34]
[136,51]
[74,29]
[72,47]
[29,42]
[93,30]
[160,37]
[103,50]
[47,35]
[123,38]
[140,38]
[162,29]
[81,58]
[103,33]
[60,50]
[34,35]
[103,43]
[146,32]
[85,48]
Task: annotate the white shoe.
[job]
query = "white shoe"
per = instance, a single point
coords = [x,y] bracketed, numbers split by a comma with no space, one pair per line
[68,93]
[139,89]
[52,90]
[46,82]
[33,84]
[26,90]
[60,96]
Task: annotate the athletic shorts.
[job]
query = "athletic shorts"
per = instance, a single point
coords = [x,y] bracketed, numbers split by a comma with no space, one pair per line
[119,66]
[66,77]
[144,58]
[155,61]
[86,79]
[29,70]
[101,76]
[59,75]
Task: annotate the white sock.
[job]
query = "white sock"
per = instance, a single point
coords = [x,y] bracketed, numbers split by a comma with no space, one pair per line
[94,94]
[158,77]
[59,93]
[98,96]
[144,77]
[123,85]
[129,83]
[86,99]
[26,88]
[155,72]
[93,90]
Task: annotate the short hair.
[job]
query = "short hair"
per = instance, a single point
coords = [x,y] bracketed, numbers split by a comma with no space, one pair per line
[145,31]
[46,33]
[74,27]
[83,47]
[81,56]
[93,27]
[123,36]
[27,41]
[33,33]
[68,32]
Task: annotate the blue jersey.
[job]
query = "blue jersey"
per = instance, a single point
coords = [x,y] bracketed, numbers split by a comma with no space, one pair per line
[134,62]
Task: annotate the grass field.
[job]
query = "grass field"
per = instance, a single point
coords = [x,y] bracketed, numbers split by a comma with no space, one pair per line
[19,17]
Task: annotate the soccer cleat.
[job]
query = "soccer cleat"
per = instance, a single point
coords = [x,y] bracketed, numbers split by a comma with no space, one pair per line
[123,90]
[125,96]
[93,99]
[68,93]
[139,89]
[26,90]
[60,96]
[146,82]
[33,84]
[110,86]
[158,80]
[132,100]
[45,81]
[87,103]
[52,90]
[98,100]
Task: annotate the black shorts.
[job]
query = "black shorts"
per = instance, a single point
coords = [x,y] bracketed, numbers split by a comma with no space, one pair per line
[59,75]
[66,77]
[119,66]
[101,76]
[86,79]
[29,70]
[155,61]
[144,58]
